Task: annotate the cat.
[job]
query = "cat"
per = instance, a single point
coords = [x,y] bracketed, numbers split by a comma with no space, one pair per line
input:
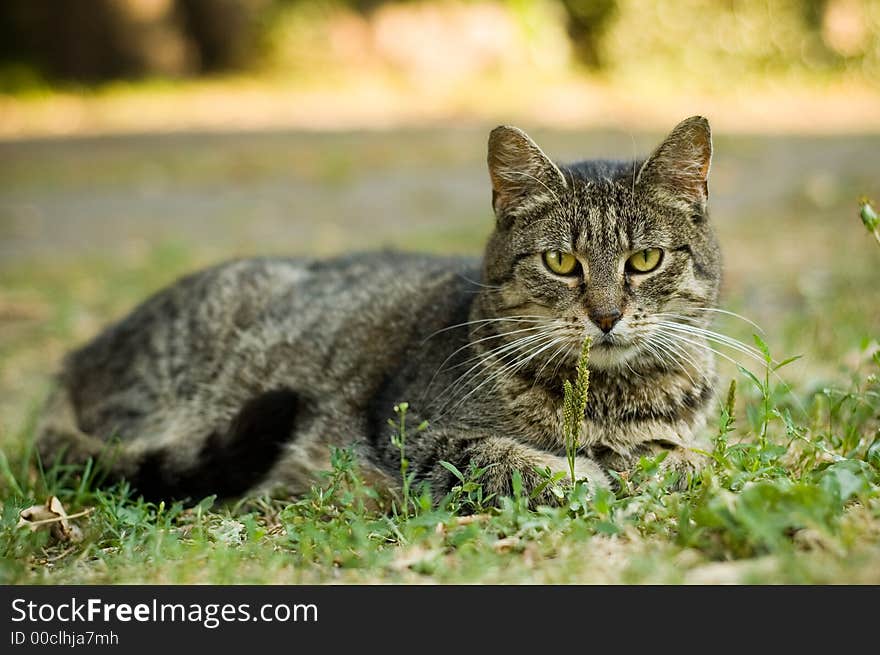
[238,379]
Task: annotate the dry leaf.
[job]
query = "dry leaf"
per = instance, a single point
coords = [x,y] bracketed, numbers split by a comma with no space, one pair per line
[441,528]
[53,516]
[506,544]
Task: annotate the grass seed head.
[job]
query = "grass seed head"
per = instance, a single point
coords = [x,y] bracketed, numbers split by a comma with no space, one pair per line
[869,215]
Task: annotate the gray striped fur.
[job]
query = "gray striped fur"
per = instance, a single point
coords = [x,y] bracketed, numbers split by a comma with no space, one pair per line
[237,379]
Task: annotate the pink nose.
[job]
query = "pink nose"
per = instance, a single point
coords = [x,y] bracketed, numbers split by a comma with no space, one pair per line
[606,320]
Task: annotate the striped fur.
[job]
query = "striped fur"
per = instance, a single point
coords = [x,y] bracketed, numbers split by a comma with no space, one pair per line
[237,379]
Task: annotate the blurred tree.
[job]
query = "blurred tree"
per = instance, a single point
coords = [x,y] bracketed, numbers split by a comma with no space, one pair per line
[813,12]
[95,40]
[91,40]
[587,22]
[224,32]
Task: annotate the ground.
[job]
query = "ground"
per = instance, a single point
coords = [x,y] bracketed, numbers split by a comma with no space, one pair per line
[89,226]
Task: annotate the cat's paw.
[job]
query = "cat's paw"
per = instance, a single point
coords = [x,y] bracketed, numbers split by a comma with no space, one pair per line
[685,462]
[554,480]
[585,468]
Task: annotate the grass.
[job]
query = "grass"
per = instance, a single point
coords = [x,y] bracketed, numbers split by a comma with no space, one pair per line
[784,500]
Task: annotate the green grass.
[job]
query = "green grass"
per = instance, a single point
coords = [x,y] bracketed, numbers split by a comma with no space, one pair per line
[792,495]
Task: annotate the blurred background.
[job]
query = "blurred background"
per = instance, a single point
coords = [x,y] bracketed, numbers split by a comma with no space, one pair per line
[98,66]
[140,139]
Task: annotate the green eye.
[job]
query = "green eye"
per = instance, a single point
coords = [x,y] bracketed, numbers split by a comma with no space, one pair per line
[644,261]
[561,263]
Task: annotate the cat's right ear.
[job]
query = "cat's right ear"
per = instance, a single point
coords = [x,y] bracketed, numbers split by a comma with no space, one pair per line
[519,170]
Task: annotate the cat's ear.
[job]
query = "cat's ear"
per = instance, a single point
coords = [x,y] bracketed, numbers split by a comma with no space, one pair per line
[679,167]
[518,169]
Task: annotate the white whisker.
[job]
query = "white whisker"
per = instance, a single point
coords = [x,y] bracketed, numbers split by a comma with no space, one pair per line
[714,310]
[516,319]
[704,346]
[565,346]
[767,367]
[479,284]
[471,343]
[561,361]
[679,356]
[500,353]
[730,342]
[513,368]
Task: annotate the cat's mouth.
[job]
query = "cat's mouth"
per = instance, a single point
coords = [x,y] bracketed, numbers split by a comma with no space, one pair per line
[609,341]
[611,351]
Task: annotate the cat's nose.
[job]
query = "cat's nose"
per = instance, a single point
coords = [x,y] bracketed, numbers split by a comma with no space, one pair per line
[606,320]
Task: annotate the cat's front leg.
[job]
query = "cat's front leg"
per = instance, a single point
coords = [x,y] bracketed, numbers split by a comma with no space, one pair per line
[502,456]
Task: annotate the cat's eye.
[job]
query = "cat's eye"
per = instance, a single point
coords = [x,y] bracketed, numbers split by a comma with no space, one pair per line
[561,263]
[644,261]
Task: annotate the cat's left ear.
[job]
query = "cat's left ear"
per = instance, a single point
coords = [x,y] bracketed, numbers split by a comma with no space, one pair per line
[679,167]
[519,169]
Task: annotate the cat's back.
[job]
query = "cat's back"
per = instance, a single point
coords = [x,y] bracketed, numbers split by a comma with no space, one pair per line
[241,322]
[231,297]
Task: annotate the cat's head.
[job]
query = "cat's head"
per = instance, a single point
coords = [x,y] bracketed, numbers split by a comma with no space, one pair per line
[600,248]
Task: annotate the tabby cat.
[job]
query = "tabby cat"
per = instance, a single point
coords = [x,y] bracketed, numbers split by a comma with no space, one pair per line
[238,379]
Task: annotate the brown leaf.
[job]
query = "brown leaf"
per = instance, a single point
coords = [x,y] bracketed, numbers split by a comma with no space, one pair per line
[52,515]
[441,528]
[35,513]
[506,544]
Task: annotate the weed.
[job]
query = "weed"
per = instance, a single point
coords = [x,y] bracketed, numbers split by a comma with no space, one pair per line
[466,496]
[869,217]
[575,397]
[398,440]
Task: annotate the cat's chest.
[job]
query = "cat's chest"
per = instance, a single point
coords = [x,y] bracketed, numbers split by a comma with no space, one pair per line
[618,411]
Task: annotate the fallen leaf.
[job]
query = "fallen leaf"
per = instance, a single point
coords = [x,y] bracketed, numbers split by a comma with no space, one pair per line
[506,544]
[441,528]
[55,517]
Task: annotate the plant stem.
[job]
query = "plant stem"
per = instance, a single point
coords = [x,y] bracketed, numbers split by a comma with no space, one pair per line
[574,404]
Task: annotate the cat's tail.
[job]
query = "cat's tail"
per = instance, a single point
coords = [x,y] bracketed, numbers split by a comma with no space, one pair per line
[61,441]
[227,461]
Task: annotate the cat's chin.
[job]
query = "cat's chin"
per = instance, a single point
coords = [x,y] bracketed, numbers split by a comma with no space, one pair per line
[605,355]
